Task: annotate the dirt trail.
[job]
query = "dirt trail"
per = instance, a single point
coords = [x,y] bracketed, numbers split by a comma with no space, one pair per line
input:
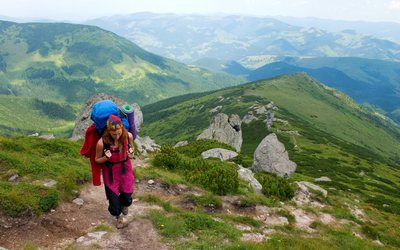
[71,224]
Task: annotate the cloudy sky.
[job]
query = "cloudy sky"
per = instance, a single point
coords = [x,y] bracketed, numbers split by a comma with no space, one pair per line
[79,10]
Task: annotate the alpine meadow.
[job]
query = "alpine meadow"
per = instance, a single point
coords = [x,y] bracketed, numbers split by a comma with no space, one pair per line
[264,135]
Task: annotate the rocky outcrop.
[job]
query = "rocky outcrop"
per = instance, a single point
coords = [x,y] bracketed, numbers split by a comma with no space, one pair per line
[225,129]
[220,153]
[261,110]
[145,145]
[248,176]
[249,117]
[83,121]
[272,157]
[306,193]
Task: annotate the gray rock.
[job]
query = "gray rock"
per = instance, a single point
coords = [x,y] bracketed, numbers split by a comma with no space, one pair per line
[305,186]
[248,176]
[225,129]
[322,179]
[47,137]
[146,144]
[270,105]
[248,118]
[261,110]
[13,178]
[216,109]
[180,144]
[272,157]
[220,153]
[378,242]
[50,183]
[83,120]
[78,201]
[269,119]
[97,235]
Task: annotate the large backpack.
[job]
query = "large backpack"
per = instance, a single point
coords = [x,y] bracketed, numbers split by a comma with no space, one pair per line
[103,109]
[100,113]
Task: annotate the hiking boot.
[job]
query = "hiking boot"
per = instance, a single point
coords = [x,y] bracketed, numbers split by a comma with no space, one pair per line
[124,210]
[120,222]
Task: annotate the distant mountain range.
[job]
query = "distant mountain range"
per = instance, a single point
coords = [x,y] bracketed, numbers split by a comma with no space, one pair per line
[189,38]
[384,30]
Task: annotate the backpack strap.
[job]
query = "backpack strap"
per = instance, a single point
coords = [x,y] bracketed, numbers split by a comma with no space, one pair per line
[110,164]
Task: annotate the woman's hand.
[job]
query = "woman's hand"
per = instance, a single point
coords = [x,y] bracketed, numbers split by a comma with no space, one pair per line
[107,153]
[131,153]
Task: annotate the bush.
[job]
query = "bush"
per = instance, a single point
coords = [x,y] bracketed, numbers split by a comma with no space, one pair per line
[221,178]
[370,232]
[205,200]
[168,157]
[275,186]
[25,198]
[218,177]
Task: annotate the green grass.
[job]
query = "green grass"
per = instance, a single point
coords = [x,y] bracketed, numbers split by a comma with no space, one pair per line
[36,161]
[209,232]
[337,138]
[24,116]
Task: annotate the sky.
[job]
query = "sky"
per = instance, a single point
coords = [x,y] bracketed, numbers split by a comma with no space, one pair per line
[81,10]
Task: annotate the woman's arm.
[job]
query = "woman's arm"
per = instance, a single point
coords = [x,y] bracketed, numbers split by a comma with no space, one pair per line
[131,149]
[99,153]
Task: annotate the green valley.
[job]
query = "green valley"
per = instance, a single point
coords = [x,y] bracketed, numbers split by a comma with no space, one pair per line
[64,64]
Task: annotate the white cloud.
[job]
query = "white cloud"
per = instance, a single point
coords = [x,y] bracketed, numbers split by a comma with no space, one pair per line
[394,5]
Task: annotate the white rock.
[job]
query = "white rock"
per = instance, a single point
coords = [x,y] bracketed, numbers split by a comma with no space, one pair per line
[323,179]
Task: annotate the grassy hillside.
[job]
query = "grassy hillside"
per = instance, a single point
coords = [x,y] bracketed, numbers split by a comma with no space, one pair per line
[336,137]
[25,115]
[299,98]
[36,162]
[373,82]
[325,133]
[67,63]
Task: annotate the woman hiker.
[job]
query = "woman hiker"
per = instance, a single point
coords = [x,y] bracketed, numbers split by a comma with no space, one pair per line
[115,149]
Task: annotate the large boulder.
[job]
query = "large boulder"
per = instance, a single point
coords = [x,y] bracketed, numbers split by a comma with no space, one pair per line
[83,120]
[272,157]
[220,153]
[225,129]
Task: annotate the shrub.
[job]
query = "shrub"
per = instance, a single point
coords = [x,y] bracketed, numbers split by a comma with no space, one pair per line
[216,176]
[370,232]
[221,178]
[244,160]
[206,200]
[168,157]
[275,186]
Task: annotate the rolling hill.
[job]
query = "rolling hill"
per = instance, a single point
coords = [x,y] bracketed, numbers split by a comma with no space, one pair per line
[373,82]
[324,131]
[65,64]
